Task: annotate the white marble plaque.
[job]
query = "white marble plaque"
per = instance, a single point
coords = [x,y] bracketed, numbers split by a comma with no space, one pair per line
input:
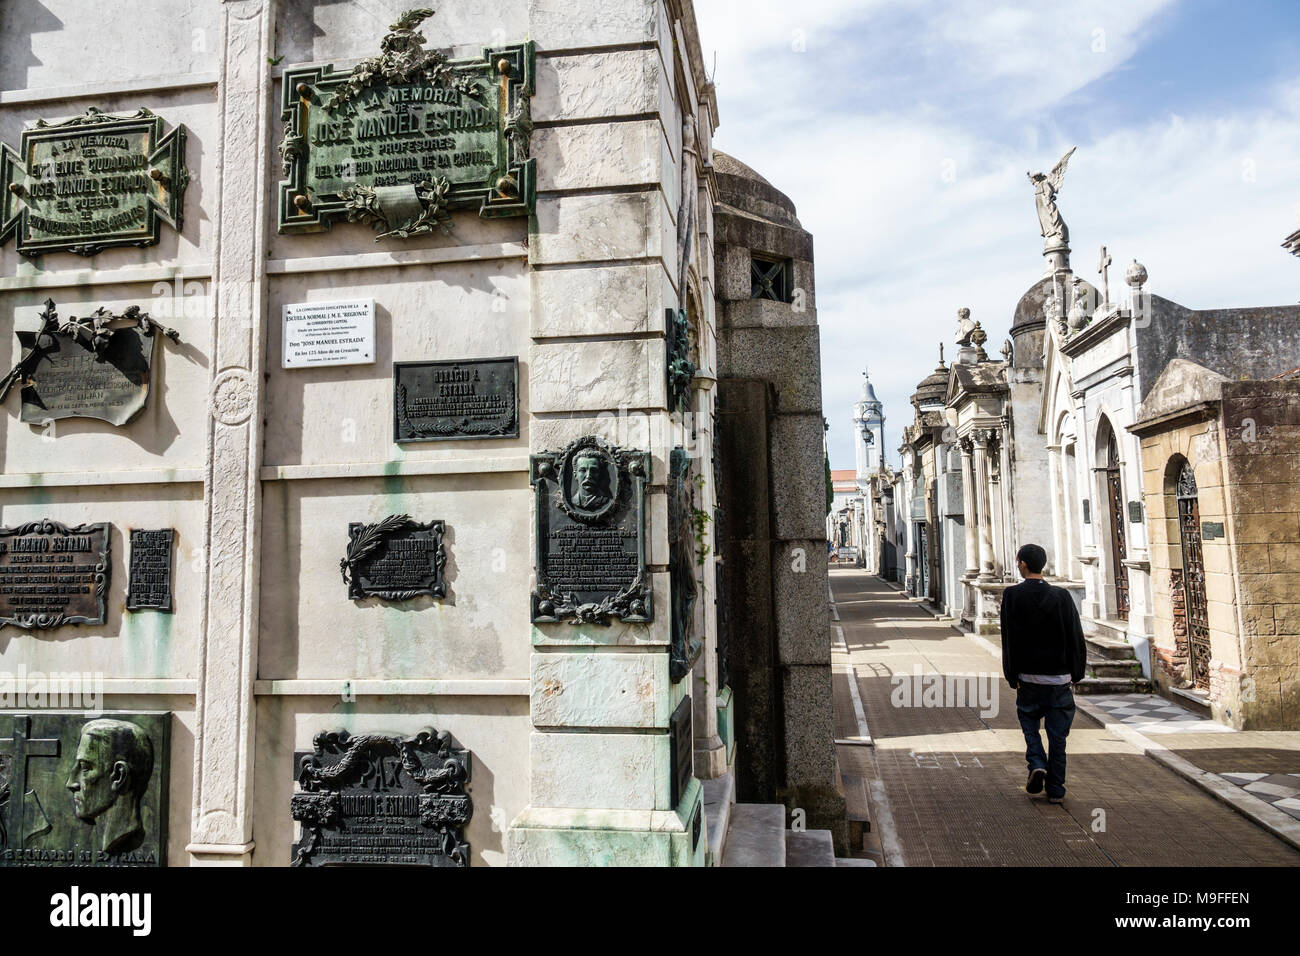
[328,333]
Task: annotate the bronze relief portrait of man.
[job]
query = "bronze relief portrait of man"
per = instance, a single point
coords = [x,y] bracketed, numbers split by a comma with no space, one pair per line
[591,482]
[109,777]
[83,790]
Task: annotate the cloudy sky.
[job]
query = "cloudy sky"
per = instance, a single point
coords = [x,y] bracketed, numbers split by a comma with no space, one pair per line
[903,129]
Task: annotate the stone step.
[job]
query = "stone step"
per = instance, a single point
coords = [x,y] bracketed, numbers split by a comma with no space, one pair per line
[1104,667]
[1113,685]
[1109,648]
[755,836]
[853,861]
[719,797]
[809,848]
[1197,701]
[857,809]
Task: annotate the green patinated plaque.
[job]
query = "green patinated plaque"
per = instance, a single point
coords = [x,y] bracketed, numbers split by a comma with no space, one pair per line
[92,367]
[78,789]
[407,136]
[92,182]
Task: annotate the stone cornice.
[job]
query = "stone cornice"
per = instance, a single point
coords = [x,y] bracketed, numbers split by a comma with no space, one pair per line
[1095,331]
[1190,413]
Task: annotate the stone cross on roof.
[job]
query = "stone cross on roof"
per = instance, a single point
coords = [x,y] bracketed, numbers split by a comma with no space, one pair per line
[1102,270]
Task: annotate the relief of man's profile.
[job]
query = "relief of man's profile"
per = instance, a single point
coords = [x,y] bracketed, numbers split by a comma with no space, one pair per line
[591,490]
[109,779]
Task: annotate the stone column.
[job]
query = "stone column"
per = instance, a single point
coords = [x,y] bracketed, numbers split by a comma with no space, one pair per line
[225,709]
[981,437]
[972,544]
[1058,514]
[710,751]
[1004,543]
[1069,508]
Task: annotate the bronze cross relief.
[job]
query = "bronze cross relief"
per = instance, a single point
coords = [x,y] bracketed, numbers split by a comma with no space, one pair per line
[21,747]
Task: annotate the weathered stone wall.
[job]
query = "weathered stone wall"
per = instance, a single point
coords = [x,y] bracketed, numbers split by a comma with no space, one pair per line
[1254,343]
[1243,450]
[1261,427]
[769,360]
[1197,441]
[264,649]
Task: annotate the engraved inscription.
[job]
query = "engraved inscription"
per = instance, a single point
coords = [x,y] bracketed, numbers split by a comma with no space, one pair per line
[92,367]
[329,333]
[52,574]
[395,559]
[91,182]
[681,745]
[377,799]
[150,583]
[585,559]
[406,136]
[441,401]
[590,558]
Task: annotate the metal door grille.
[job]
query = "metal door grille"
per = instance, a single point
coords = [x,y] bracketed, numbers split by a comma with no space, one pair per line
[1189,533]
[1118,546]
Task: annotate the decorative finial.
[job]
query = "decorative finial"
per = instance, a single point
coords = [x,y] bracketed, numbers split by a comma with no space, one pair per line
[1136,276]
[940,353]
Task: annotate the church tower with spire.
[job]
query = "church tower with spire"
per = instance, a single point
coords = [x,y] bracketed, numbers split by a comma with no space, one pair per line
[869,430]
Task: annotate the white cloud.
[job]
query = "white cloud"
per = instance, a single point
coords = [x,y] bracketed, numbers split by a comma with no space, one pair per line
[919,207]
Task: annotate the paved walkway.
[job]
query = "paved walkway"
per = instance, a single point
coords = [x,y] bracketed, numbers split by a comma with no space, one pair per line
[947,782]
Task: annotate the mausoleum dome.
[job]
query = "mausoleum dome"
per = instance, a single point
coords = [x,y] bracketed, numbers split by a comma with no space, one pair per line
[1029,315]
[744,189]
[933,389]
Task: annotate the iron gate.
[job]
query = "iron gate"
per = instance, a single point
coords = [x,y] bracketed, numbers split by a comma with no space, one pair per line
[1118,545]
[1189,533]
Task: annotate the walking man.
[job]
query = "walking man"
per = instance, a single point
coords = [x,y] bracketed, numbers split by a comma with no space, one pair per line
[1042,655]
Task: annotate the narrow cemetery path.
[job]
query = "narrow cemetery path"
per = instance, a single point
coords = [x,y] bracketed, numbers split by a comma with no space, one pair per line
[947,782]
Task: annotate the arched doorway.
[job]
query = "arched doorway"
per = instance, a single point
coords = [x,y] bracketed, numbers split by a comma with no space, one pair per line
[1194,606]
[1115,508]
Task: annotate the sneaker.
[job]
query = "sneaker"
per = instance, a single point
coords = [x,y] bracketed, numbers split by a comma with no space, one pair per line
[1060,799]
[1035,782]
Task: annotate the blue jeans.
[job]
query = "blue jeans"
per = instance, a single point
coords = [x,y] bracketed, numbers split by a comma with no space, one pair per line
[1053,704]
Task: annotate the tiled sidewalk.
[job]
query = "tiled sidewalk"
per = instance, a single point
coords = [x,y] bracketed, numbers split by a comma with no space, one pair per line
[1152,714]
[1281,790]
[953,776]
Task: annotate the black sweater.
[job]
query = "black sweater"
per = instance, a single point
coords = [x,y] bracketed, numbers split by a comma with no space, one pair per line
[1041,632]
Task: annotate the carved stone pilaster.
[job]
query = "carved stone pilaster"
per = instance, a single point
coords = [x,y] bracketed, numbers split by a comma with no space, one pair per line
[223,747]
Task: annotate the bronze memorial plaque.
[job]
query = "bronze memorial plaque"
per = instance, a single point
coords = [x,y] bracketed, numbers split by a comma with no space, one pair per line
[82,790]
[92,182]
[684,560]
[445,401]
[590,536]
[407,136]
[92,367]
[396,559]
[150,584]
[52,574]
[375,799]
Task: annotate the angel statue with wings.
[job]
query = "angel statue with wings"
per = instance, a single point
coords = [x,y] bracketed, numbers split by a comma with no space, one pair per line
[1046,186]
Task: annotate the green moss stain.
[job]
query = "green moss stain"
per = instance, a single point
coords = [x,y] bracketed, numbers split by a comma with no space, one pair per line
[147,643]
